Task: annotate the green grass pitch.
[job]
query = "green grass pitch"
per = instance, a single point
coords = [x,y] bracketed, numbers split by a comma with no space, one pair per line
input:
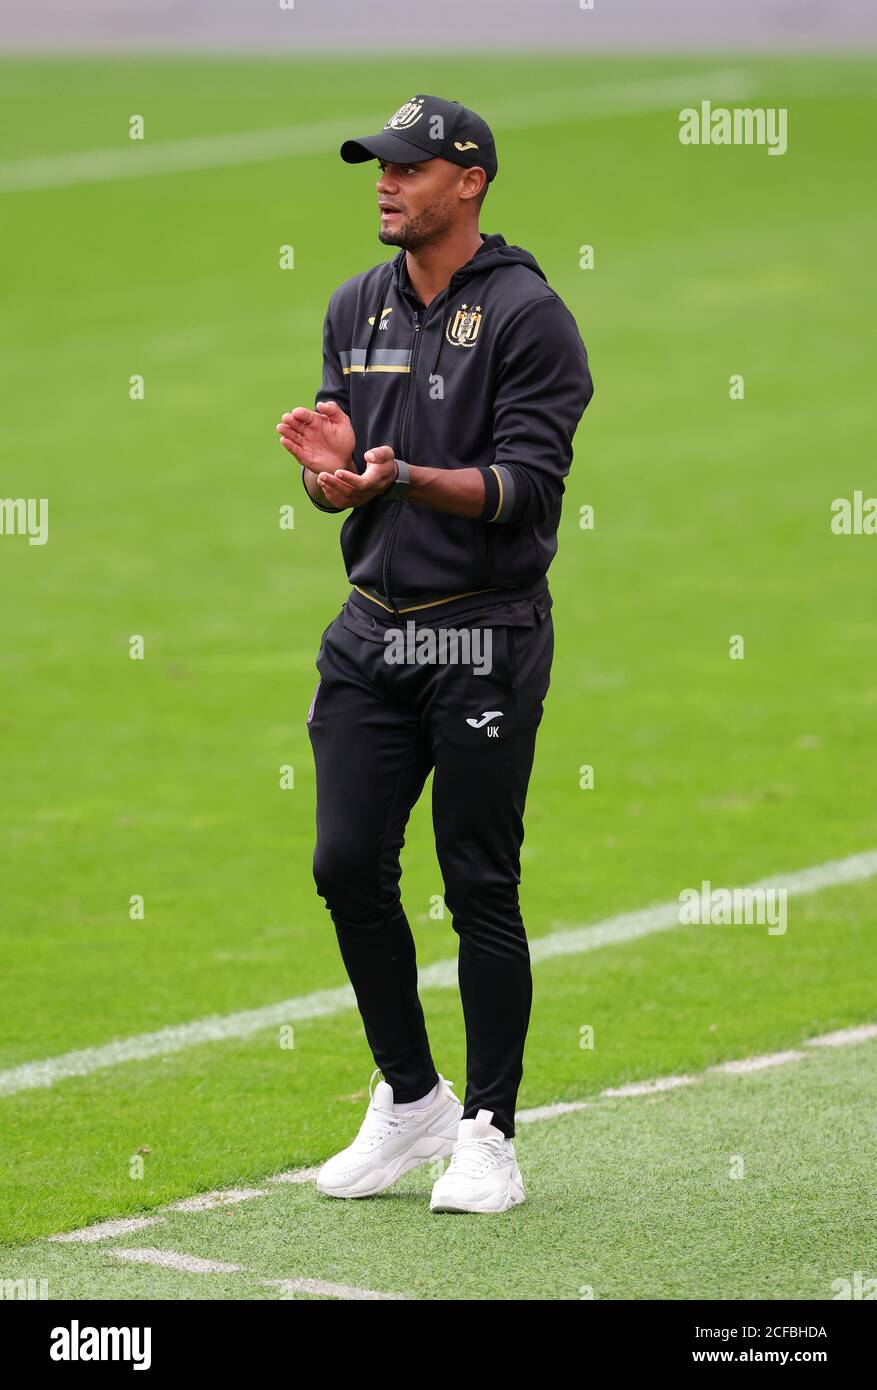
[161,777]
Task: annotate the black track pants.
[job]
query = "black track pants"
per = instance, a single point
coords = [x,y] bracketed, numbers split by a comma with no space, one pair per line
[377,729]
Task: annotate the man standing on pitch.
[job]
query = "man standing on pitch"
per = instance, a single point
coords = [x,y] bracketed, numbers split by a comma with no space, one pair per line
[453,382]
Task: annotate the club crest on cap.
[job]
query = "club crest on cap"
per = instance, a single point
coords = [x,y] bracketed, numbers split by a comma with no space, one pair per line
[407,115]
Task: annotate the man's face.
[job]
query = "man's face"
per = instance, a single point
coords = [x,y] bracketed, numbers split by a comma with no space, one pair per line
[418,202]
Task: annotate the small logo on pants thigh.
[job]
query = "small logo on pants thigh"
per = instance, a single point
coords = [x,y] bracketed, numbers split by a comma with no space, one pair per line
[486,718]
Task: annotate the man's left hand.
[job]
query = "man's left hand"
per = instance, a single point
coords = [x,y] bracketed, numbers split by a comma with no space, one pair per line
[348,489]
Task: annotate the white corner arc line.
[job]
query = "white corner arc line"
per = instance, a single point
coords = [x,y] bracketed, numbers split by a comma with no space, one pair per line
[141,159]
[568,940]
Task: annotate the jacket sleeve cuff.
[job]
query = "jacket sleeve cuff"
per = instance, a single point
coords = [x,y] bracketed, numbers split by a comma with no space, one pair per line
[320,506]
[500,493]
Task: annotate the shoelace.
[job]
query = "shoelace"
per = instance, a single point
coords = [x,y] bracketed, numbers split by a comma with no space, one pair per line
[376,1127]
[475,1157]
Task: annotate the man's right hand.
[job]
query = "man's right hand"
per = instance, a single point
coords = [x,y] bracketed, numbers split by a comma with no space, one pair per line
[322,440]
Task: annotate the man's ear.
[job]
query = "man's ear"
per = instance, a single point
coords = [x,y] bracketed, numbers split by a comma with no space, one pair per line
[473,184]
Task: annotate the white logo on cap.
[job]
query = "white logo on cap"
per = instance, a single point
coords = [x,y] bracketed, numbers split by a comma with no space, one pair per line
[407,115]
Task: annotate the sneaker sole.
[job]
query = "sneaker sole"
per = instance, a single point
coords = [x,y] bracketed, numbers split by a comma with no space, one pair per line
[512,1197]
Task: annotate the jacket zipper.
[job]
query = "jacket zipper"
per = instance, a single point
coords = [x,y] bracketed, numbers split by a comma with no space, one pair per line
[403,453]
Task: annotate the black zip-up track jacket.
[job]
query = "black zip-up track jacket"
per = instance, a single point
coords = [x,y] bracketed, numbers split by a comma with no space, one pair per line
[492,375]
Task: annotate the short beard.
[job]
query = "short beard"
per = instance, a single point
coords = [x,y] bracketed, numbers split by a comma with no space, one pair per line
[427,226]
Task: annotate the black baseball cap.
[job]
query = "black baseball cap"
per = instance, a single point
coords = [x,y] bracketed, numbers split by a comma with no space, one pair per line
[429,128]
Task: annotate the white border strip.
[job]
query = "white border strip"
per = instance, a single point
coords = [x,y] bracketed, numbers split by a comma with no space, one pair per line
[569,940]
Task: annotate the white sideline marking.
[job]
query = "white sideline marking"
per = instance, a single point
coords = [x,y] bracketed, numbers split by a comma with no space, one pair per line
[648,1088]
[331,1290]
[179,1037]
[548,1112]
[208,1201]
[629,925]
[106,1230]
[296,1175]
[139,159]
[569,940]
[171,1259]
[748,1064]
[202,1201]
[845,1037]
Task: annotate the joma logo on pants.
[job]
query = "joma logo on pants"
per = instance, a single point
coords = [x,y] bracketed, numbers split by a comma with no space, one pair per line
[493,729]
[75,1343]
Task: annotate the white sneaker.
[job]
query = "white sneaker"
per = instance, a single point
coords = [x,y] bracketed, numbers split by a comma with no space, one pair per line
[483,1174]
[389,1144]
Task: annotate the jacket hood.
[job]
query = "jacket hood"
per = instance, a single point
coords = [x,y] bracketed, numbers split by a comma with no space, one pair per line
[494,254]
